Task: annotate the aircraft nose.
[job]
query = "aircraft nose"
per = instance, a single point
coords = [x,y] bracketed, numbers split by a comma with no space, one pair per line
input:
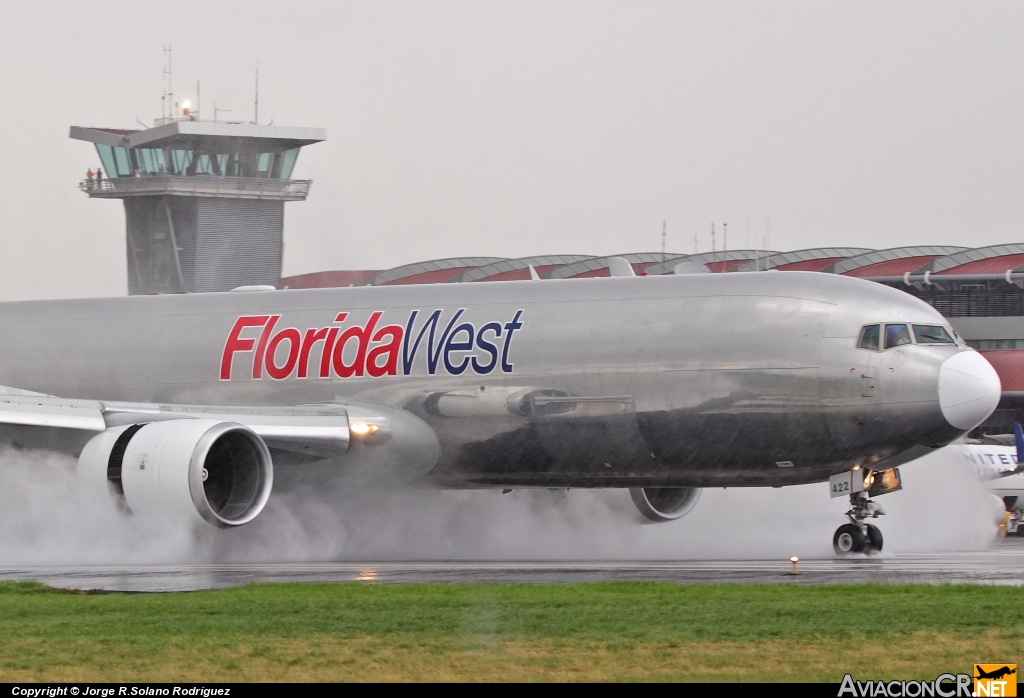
[969,389]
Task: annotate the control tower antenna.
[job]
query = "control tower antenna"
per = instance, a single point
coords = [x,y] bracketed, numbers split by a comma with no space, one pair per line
[167,106]
[664,228]
[725,237]
[256,111]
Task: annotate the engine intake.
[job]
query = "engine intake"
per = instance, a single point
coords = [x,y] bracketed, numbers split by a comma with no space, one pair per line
[220,472]
[660,504]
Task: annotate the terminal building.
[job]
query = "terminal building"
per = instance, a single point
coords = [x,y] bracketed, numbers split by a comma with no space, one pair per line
[980,290]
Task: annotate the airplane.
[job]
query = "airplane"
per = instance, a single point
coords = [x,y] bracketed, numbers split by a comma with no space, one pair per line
[995,674]
[996,460]
[193,405]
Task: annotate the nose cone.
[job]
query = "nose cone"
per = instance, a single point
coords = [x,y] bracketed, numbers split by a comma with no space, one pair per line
[969,389]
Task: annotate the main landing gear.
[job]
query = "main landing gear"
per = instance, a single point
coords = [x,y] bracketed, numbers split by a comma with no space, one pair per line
[857,536]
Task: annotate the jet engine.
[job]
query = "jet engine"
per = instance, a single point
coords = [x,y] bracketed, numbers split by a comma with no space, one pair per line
[199,469]
[660,504]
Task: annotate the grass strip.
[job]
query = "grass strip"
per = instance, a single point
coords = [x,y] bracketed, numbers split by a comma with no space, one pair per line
[589,632]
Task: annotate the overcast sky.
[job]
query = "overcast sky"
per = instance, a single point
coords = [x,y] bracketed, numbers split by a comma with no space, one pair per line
[518,128]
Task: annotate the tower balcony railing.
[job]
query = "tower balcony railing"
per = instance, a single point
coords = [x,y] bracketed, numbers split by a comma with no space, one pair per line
[197,185]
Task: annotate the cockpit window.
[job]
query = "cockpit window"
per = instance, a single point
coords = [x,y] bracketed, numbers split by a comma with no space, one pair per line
[869,337]
[932,334]
[895,335]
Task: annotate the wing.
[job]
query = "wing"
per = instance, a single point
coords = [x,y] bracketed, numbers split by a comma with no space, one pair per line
[213,463]
[321,429]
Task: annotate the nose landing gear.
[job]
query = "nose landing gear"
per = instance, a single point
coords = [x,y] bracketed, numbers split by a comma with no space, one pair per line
[857,536]
[862,484]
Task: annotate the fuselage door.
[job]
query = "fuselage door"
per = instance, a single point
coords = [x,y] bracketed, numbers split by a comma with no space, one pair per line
[866,359]
[868,378]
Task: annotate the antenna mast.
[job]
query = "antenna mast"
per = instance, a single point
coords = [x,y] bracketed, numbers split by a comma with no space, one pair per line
[167,106]
[256,111]
[664,226]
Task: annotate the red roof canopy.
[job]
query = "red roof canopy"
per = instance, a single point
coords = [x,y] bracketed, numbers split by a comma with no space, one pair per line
[1009,364]
[327,279]
[437,276]
[893,267]
[992,265]
[809,264]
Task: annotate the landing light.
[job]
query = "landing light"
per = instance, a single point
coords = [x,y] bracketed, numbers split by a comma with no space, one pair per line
[362,428]
[794,560]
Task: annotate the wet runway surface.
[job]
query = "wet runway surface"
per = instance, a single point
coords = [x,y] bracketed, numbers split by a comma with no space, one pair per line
[1002,564]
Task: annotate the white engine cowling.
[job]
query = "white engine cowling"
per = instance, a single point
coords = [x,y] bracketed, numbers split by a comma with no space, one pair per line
[661,504]
[202,469]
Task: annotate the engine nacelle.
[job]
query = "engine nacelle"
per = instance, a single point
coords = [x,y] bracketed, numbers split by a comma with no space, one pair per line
[660,504]
[203,469]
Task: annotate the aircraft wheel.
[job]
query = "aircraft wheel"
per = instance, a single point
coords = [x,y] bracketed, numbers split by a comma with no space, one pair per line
[874,538]
[848,539]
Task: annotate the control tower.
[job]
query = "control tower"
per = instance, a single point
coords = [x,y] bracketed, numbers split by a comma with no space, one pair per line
[203,200]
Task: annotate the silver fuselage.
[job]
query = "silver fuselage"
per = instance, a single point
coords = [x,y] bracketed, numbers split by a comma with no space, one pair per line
[704,380]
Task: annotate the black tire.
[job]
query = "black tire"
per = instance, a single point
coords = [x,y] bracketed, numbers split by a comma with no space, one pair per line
[848,539]
[874,538]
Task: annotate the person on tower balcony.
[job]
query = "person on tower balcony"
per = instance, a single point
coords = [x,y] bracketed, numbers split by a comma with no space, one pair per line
[88,178]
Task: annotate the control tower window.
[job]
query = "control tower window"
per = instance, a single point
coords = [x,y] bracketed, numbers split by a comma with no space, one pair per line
[126,162]
[896,335]
[106,154]
[288,162]
[117,162]
[149,160]
[869,336]
[932,334]
[265,165]
[181,160]
[207,164]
